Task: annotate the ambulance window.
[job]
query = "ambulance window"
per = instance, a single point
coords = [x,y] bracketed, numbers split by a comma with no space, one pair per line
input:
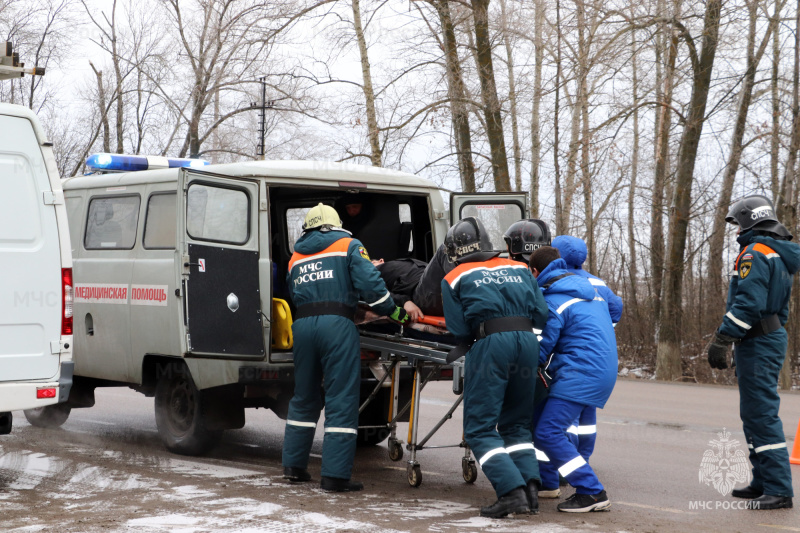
[217,214]
[111,224]
[159,224]
[294,224]
[496,218]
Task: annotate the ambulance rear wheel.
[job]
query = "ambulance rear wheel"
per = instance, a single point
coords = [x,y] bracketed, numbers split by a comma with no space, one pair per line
[49,416]
[180,414]
[469,470]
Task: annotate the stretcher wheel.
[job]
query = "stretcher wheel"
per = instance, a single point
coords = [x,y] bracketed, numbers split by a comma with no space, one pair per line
[469,470]
[395,450]
[414,475]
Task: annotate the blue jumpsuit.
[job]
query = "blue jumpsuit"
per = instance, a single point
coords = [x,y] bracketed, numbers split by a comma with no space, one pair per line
[583,431]
[328,267]
[580,338]
[500,369]
[760,287]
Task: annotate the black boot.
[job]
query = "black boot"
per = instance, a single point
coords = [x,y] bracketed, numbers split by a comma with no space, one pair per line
[335,484]
[748,493]
[768,501]
[297,475]
[515,502]
[533,495]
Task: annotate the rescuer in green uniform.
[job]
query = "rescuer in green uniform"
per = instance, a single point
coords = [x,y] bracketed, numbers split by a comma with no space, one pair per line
[329,273]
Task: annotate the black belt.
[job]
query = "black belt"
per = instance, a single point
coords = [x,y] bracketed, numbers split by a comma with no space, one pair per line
[501,325]
[325,308]
[764,326]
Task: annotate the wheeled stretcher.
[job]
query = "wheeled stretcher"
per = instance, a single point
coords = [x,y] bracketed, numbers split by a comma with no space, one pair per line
[428,360]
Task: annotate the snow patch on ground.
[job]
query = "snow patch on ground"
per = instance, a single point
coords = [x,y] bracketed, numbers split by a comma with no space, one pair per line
[530,524]
[193,468]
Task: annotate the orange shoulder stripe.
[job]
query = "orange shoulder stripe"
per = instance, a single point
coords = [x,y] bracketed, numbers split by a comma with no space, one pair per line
[757,247]
[495,262]
[338,247]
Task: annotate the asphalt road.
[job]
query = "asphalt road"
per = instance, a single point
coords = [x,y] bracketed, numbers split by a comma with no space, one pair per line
[106,470]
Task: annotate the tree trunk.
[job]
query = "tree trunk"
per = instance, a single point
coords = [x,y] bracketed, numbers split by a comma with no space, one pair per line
[582,101]
[668,358]
[536,140]
[660,176]
[491,104]
[457,95]
[775,134]
[369,94]
[101,104]
[512,99]
[717,241]
[633,274]
[556,121]
[786,200]
[115,58]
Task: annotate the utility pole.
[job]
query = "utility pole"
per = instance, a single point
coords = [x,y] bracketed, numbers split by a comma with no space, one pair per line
[262,122]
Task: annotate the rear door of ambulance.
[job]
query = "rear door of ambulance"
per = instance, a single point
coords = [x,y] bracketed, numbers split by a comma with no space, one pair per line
[218,229]
[497,211]
[31,276]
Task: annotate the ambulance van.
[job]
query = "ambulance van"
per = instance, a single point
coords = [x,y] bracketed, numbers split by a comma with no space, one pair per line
[180,278]
[35,273]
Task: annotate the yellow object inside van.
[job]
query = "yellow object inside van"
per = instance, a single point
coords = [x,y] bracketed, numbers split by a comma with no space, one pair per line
[281,325]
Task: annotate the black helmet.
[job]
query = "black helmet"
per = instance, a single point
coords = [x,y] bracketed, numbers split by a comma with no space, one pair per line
[756,212]
[468,241]
[526,236]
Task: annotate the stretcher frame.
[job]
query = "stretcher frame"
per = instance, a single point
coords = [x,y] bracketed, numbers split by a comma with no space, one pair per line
[426,359]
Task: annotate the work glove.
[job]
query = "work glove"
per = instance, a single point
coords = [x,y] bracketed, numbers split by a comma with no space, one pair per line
[399,315]
[718,350]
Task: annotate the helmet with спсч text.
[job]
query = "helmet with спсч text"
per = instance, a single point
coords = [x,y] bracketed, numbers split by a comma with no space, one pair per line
[468,240]
[756,212]
[323,217]
[525,237]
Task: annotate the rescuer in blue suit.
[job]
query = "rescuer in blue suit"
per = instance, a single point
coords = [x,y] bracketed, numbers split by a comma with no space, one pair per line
[579,341]
[583,432]
[757,310]
[497,303]
[328,273]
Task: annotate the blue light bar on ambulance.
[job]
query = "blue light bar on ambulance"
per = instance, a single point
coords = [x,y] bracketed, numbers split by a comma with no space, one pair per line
[104,162]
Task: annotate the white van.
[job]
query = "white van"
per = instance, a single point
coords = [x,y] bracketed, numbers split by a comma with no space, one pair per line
[36,265]
[180,279]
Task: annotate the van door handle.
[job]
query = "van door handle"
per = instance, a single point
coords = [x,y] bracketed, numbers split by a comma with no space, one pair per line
[191,264]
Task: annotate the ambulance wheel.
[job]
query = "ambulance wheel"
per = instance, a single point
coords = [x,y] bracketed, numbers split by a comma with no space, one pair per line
[469,470]
[414,475]
[371,436]
[49,416]
[179,414]
[395,450]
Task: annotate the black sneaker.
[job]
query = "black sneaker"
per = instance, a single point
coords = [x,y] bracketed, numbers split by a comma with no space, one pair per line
[768,501]
[297,475]
[533,495]
[335,484]
[748,493]
[514,502]
[585,503]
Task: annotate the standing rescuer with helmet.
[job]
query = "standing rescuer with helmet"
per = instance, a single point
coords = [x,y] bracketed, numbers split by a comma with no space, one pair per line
[328,273]
[757,309]
[497,303]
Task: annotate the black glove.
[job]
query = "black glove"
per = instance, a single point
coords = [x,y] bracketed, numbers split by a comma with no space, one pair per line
[718,350]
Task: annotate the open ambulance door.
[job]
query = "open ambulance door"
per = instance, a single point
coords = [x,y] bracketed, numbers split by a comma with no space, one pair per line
[497,211]
[219,244]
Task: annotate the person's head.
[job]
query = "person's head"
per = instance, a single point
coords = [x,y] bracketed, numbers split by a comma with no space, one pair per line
[541,259]
[467,241]
[322,217]
[524,237]
[572,249]
[353,210]
[757,213]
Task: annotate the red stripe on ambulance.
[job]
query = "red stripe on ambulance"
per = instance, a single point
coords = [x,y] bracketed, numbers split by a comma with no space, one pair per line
[149,295]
